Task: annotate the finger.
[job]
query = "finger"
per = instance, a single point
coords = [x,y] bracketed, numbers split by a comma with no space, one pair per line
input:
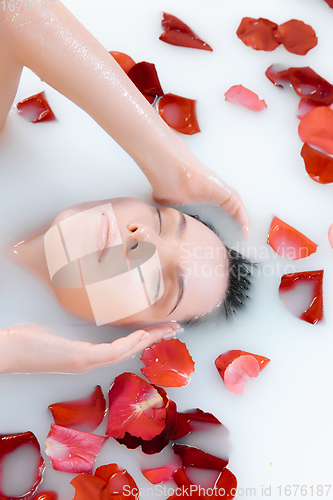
[123,348]
[155,334]
[235,207]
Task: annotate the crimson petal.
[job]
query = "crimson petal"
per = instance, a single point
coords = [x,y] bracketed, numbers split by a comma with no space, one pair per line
[168,363]
[226,485]
[157,476]
[135,407]
[86,413]
[71,450]
[178,33]
[258,33]
[10,443]
[296,36]
[330,3]
[194,457]
[36,109]
[288,242]
[159,442]
[109,482]
[184,419]
[315,311]
[318,165]
[145,78]
[179,113]
[125,61]
[306,83]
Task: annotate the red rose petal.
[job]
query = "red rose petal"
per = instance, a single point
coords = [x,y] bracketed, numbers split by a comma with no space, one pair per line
[71,450]
[46,495]
[125,61]
[135,407]
[109,482]
[239,371]
[168,363]
[258,33]
[157,476]
[316,127]
[330,235]
[306,105]
[36,109]
[159,442]
[12,442]
[288,242]
[330,3]
[178,33]
[296,36]
[315,311]
[225,359]
[245,97]
[179,113]
[226,484]
[86,413]
[306,83]
[184,419]
[225,487]
[192,456]
[184,487]
[236,367]
[318,165]
[145,78]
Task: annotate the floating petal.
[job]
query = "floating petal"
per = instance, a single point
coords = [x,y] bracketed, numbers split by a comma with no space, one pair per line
[245,97]
[168,363]
[35,109]
[178,33]
[288,242]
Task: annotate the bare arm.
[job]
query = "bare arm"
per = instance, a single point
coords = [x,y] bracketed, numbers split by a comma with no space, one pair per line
[32,349]
[57,47]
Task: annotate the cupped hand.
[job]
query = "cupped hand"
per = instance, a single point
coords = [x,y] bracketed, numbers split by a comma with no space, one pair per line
[32,349]
[192,182]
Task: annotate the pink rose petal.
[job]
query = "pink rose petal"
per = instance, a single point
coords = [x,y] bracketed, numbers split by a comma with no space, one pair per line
[330,235]
[239,371]
[245,97]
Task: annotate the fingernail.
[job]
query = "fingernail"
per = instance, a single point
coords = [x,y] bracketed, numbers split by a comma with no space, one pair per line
[176,327]
[144,336]
[179,330]
[169,335]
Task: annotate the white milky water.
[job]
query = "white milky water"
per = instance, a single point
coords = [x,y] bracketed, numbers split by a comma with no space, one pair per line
[281,430]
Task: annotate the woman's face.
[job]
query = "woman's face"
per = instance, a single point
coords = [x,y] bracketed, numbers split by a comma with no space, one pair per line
[116,245]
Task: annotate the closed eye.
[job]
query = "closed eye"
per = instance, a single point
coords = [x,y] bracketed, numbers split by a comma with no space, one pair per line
[159,220]
[136,244]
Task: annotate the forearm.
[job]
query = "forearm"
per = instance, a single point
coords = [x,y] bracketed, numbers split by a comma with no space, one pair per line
[65,55]
[32,349]
[26,349]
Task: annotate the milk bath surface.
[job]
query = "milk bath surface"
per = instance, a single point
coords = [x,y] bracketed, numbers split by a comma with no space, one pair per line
[281,430]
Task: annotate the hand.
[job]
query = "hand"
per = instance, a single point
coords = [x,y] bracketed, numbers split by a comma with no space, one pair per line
[32,349]
[192,182]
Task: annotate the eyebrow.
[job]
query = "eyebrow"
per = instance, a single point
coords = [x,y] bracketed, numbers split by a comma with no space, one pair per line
[180,278]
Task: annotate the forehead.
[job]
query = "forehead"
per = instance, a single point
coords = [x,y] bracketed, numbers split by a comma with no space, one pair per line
[204,265]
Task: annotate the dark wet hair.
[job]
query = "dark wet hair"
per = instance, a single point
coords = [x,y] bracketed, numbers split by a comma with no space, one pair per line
[240,272]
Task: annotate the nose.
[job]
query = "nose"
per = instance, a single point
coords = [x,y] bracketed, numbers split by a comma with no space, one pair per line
[142,232]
